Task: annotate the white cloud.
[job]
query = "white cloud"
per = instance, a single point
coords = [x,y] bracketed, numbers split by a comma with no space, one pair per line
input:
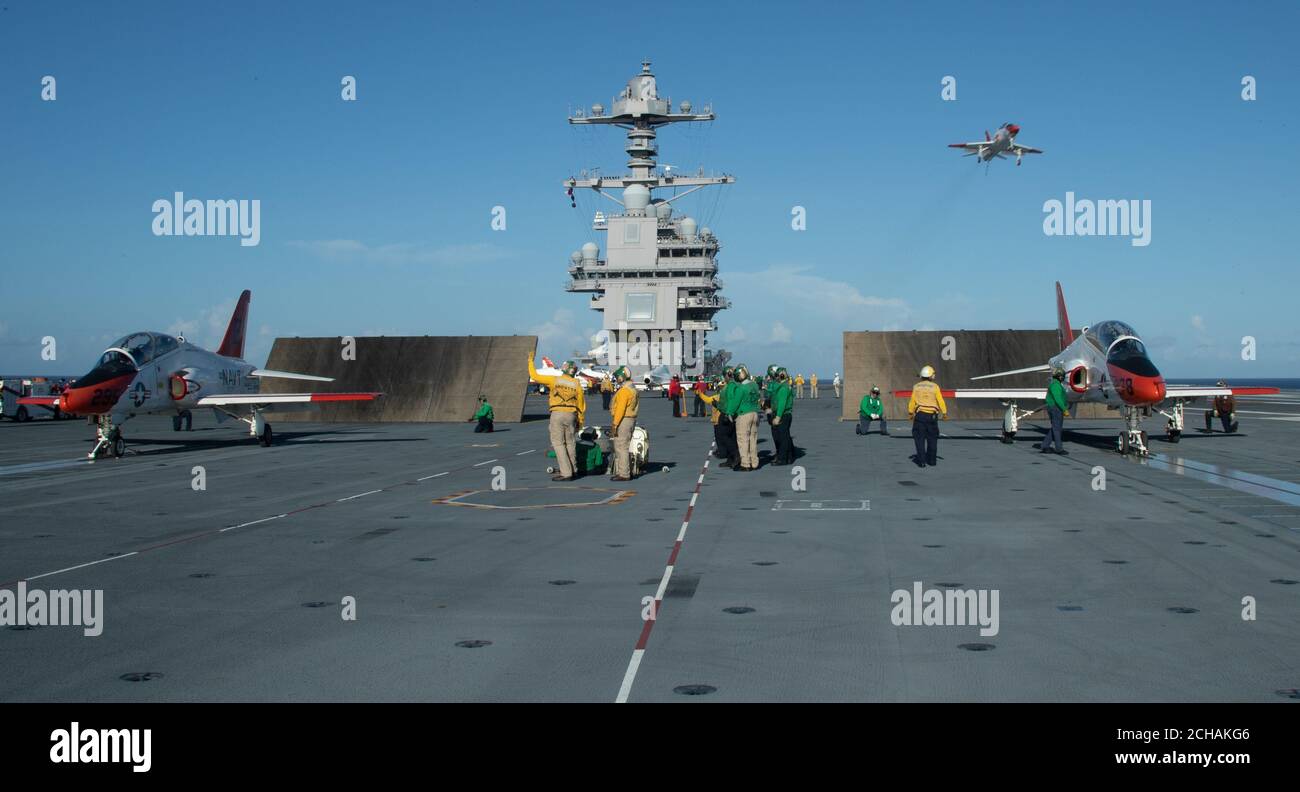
[735,335]
[208,328]
[559,336]
[805,294]
[780,333]
[1198,322]
[351,250]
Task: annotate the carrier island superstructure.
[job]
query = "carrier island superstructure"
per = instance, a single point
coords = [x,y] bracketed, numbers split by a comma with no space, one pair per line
[657,285]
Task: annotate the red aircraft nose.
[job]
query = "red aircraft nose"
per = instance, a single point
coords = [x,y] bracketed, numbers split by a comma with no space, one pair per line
[1137,389]
[1014,130]
[94,399]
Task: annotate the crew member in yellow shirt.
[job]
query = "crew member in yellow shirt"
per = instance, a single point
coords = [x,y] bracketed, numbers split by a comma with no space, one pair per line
[626,403]
[924,409]
[568,406]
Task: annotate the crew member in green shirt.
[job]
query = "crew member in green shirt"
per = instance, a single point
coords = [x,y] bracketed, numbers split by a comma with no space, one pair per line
[483,416]
[1057,409]
[780,397]
[742,405]
[872,410]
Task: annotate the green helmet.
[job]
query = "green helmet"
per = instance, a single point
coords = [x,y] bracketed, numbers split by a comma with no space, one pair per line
[728,372]
[1058,372]
[772,370]
[570,367]
[622,374]
[741,373]
[782,373]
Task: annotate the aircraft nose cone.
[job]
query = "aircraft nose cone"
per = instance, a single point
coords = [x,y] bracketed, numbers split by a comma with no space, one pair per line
[77,400]
[1136,388]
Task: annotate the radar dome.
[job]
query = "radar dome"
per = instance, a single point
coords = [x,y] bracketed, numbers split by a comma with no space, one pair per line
[590,251]
[575,256]
[598,109]
[706,232]
[688,227]
[663,210]
[686,107]
[636,197]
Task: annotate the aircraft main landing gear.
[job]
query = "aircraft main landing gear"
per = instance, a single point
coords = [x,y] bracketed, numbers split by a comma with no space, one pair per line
[1174,429]
[183,418]
[1011,421]
[259,428]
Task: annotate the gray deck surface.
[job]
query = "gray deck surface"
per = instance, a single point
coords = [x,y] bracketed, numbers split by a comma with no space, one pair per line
[222,615]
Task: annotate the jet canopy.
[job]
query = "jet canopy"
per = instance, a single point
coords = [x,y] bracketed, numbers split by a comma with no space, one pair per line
[1105,334]
[140,347]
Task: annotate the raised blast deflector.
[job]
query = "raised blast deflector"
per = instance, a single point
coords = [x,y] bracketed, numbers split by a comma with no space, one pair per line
[893,361]
[423,378]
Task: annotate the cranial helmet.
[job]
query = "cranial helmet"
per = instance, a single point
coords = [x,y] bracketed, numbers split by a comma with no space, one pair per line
[1222,383]
[1058,372]
[729,371]
[742,373]
[622,374]
[570,368]
[875,389]
[927,372]
[772,370]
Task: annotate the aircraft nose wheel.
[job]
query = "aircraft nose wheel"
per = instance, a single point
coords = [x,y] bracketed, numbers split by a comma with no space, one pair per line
[265,439]
[1173,435]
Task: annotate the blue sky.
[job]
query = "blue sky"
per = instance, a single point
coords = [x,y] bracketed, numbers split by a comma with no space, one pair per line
[376,213]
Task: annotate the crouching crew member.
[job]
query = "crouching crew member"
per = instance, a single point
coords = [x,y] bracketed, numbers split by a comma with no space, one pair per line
[483,416]
[1225,407]
[924,409]
[626,403]
[872,410]
[568,406]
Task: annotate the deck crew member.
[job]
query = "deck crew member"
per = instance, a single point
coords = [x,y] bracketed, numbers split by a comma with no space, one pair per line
[1057,409]
[781,398]
[626,403]
[798,386]
[699,388]
[924,409]
[1225,407]
[812,385]
[722,446]
[836,384]
[742,406]
[606,391]
[568,406]
[725,419]
[872,410]
[483,416]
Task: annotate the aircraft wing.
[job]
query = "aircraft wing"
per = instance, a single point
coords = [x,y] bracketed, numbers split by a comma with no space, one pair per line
[1019,149]
[1195,391]
[1005,394]
[288,375]
[40,401]
[972,147]
[282,401]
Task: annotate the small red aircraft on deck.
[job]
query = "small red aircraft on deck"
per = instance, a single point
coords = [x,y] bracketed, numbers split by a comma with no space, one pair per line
[154,373]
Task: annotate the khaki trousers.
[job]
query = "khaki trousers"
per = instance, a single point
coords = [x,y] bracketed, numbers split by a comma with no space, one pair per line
[622,447]
[747,439]
[564,436]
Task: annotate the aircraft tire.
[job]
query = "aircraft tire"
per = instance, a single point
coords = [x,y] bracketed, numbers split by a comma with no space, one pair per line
[265,439]
[119,447]
[1174,436]
[21,416]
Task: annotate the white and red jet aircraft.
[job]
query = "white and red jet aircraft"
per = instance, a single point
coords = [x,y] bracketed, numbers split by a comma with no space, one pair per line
[1002,143]
[1107,364]
[154,373]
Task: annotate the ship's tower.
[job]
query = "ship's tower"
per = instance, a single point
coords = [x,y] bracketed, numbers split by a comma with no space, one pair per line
[657,283]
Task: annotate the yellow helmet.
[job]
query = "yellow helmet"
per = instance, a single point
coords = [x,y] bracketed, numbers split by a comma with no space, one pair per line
[927,372]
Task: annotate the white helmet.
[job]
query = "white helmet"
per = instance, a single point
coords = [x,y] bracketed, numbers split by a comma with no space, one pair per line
[927,372]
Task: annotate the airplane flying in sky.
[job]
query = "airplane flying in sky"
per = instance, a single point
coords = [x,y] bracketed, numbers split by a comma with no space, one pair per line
[1107,364]
[1000,144]
[154,373]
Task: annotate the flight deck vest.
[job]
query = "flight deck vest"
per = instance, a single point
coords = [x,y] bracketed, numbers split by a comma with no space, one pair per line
[564,394]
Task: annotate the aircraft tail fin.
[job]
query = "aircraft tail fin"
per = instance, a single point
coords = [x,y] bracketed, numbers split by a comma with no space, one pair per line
[987,137]
[233,344]
[1064,334]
